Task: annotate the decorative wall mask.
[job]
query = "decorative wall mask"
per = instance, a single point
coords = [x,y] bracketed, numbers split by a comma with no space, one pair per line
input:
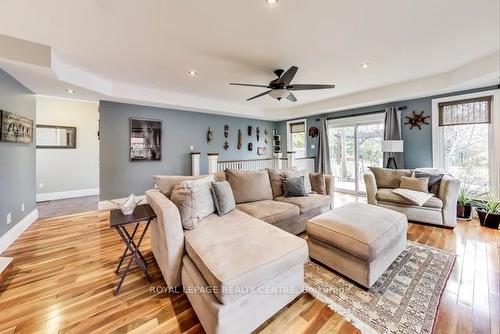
[257,131]
[240,140]
[250,146]
[266,140]
[226,131]
[417,120]
[210,135]
[226,145]
[266,132]
[249,130]
[313,131]
[261,150]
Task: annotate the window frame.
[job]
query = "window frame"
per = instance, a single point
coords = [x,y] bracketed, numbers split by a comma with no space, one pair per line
[289,134]
[493,134]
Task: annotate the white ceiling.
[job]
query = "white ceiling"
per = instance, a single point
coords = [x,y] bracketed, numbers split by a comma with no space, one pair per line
[140,51]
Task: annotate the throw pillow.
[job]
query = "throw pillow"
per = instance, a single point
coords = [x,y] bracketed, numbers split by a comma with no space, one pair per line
[249,186]
[318,183]
[434,180]
[389,178]
[184,199]
[203,195]
[304,173]
[223,197]
[412,183]
[294,187]
[275,177]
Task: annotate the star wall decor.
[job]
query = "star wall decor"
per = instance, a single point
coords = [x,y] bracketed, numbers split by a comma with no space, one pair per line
[417,120]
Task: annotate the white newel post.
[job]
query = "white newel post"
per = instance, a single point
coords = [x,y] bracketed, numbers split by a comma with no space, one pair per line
[279,161]
[291,158]
[212,162]
[195,163]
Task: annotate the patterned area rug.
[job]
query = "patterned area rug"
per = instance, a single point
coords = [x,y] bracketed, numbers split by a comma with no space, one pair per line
[404,300]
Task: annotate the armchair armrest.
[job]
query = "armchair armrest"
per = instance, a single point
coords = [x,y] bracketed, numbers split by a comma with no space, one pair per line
[448,193]
[371,188]
[167,237]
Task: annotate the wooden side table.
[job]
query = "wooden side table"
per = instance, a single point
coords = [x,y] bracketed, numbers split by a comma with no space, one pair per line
[142,214]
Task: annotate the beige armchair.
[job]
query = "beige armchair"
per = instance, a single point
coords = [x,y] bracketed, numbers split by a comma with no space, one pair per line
[439,210]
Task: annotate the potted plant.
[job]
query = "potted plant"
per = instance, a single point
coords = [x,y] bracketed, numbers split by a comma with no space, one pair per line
[465,200]
[489,212]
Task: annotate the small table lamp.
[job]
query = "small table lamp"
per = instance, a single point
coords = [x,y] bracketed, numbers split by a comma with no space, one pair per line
[392,146]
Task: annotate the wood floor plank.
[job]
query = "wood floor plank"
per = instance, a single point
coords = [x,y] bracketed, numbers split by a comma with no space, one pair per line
[62,281]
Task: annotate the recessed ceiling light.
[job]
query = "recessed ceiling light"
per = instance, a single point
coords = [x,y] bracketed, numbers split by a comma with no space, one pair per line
[271,2]
[365,65]
[70,91]
[192,73]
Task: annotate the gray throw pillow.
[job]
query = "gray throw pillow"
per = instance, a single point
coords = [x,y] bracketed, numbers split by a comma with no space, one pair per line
[223,197]
[294,187]
[434,180]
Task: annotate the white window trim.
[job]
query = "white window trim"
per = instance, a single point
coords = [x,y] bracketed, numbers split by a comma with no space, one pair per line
[493,140]
[289,134]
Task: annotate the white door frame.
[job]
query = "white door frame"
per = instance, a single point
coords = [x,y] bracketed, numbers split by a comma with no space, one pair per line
[493,140]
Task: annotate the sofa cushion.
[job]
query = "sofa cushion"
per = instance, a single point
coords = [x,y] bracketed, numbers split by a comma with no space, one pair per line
[434,180]
[306,204]
[318,183]
[238,252]
[166,183]
[360,229]
[223,197]
[271,212]
[275,178]
[297,173]
[389,178]
[387,195]
[416,184]
[249,186]
[294,187]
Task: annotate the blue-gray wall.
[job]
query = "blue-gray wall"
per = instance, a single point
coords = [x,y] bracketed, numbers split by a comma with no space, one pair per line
[120,177]
[417,143]
[17,161]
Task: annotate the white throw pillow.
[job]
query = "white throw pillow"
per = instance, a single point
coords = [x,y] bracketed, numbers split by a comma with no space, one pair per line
[417,197]
[203,195]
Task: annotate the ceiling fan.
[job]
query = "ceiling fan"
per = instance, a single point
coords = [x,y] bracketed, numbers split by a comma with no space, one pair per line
[281,87]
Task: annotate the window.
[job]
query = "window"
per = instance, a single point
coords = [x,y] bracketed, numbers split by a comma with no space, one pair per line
[297,138]
[355,144]
[464,140]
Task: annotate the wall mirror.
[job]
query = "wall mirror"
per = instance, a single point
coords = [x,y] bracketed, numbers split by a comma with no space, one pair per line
[55,136]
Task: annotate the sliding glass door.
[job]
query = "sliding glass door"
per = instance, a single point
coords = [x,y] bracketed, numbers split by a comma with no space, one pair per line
[355,145]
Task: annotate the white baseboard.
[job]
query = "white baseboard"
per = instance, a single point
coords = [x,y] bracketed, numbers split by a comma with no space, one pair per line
[66,194]
[11,235]
[108,205]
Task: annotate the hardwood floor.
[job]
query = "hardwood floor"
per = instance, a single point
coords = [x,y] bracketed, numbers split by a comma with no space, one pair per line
[69,206]
[63,278]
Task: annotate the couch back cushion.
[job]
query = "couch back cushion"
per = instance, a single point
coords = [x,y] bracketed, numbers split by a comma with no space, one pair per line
[166,183]
[389,178]
[249,186]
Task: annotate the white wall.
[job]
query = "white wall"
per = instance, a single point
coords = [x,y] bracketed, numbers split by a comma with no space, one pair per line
[67,173]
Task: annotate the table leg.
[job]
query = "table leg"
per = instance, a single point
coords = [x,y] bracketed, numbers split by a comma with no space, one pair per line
[130,238]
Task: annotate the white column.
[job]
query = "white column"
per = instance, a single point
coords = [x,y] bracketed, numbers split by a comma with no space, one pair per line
[212,162]
[195,163]
[278,162]
[291,158]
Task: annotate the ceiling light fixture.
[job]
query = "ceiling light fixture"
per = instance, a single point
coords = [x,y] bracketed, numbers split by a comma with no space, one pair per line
[70,91]
[365,65]
[192,73]
[271,2]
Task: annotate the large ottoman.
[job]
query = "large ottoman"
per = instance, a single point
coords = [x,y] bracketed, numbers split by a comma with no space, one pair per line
[358,240]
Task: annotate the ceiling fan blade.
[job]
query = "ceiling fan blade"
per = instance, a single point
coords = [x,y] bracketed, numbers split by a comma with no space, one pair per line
[259,95]
[291,97]
[287,77]
[309,87]
[248,85]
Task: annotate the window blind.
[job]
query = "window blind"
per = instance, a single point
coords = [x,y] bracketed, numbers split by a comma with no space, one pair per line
[297,127]
[469,111]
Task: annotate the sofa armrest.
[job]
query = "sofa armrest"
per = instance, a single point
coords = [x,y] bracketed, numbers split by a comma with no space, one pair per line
[167,237]
[448,193]
[371,188]
[330,185]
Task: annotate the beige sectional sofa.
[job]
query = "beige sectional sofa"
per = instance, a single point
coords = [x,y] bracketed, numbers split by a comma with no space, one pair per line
[239,269]
[439,210]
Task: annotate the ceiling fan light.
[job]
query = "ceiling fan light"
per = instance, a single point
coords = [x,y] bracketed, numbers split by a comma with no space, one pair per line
[279,93]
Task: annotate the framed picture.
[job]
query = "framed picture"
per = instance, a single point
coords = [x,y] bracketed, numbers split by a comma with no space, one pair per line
[145,139]
[15,128]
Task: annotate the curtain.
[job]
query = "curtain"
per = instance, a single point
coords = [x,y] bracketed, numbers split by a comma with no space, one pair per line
[323,158]
[392,131]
